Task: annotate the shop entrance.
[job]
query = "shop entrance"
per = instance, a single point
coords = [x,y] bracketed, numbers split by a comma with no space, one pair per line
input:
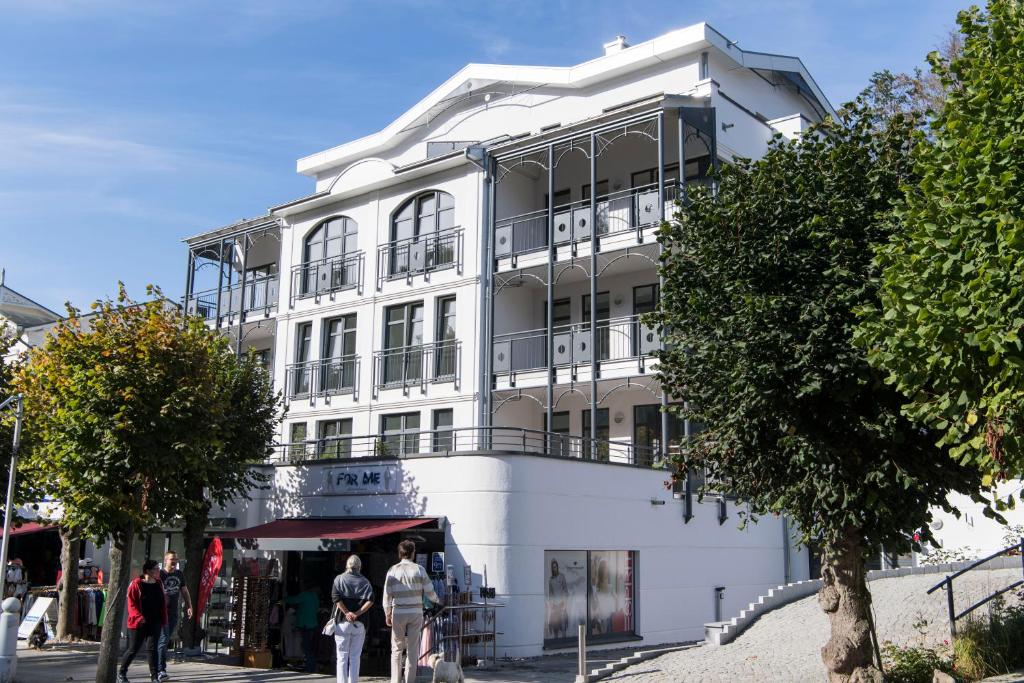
[289,564]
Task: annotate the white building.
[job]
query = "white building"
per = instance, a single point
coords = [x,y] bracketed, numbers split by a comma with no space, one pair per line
[426,310]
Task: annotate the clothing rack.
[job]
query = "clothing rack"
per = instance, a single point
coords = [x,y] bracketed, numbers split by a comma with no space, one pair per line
[87,618]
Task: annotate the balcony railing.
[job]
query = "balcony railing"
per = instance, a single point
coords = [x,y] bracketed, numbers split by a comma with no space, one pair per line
[617,212]
[622,338]
[328,275]
[325,377]
[419,255]
[258,296]
[419,365]
[469,440]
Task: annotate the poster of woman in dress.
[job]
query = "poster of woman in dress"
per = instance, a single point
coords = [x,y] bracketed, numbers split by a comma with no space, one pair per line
[611,592]
[565,593]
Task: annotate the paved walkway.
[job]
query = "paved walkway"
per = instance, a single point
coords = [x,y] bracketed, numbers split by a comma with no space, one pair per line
[785,644]
[77,663]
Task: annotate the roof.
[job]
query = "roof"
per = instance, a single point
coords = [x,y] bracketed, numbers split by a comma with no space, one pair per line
[477,79]
[22,311]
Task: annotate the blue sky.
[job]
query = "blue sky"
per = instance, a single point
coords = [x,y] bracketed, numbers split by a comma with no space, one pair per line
[126,125]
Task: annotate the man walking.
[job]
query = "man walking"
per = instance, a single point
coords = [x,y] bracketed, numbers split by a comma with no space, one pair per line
[174,587]
[404,589]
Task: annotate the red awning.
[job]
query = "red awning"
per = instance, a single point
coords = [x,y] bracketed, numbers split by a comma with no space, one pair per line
[333,529]
[31,528]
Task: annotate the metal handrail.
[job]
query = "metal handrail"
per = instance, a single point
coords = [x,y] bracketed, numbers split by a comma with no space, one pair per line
[326,269]
[315,371]
[948,583]
[395,258]
[475,440]
[235,299]
[420,364]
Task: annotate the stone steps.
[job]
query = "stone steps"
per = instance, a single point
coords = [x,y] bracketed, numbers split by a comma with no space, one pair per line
[629,660]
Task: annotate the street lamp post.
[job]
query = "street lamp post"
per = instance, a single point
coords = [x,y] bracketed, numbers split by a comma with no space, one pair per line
[16,403]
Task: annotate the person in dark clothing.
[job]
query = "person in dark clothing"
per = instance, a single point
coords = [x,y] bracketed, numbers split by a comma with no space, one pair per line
[147,616]
[173,580]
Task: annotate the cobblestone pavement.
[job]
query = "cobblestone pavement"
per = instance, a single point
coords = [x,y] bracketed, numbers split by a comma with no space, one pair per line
[785,644]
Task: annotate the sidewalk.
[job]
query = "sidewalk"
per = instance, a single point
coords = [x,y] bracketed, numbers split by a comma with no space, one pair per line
[77,663]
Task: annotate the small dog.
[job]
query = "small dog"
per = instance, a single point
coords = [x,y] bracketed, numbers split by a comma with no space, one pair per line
[445,672]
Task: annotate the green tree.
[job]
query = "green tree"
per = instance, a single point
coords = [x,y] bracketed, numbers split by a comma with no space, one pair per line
[124,410]
[948,322]
[761,284]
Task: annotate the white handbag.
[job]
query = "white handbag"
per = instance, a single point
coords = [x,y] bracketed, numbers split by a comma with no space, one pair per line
[331,627]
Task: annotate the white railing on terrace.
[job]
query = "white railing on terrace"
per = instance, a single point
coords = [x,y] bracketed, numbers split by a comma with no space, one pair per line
[468,440]
[258,296]
[617,212]
[621,338]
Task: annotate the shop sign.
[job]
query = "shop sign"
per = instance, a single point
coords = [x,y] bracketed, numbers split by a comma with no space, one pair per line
[361,480]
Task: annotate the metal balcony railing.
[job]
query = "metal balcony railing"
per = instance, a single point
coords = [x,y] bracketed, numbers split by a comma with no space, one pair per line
[325,377]
[621,338]
[617,212]
[258,296]
[420,255]
[328,275]
[418,365]
[468,440]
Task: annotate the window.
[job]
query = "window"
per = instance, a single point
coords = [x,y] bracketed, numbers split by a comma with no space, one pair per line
[603,327]
[443,437]
[647,431]
[444,335]
[297,441]
[334,438]
[325,253]
[602,435]
[646,178]
[417,233]
[260,287]
[561,442]
[301,371]
[562,197]
[602,190]
[400,433]
[645,338]
[338,370]
[592,588]
[403,343]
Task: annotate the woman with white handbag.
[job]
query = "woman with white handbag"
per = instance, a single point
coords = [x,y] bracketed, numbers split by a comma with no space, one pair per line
[352,596]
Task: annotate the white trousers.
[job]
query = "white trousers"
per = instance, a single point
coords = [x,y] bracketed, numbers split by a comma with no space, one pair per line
[349,637]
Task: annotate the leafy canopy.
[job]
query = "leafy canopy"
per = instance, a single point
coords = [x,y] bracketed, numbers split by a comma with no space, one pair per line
[761,283]
[948,324]
[131,409]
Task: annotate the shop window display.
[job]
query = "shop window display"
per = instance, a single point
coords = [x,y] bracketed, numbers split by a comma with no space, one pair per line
[594,588]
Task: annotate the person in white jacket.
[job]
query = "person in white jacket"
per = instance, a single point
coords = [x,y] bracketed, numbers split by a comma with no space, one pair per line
[405,587]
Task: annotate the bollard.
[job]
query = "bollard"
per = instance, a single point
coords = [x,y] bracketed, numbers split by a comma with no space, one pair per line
[581,677]
[9,639]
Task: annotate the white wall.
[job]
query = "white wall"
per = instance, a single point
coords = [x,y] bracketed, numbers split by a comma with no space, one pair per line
[504,512]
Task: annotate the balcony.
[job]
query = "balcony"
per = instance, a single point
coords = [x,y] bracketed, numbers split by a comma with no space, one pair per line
[419,365]
[257,296]
[469,441]
[617,213]
[326,377]
[326,276]
[420,255]
[618,339]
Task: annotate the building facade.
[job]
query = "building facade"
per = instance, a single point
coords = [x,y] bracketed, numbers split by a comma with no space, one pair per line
[454,318]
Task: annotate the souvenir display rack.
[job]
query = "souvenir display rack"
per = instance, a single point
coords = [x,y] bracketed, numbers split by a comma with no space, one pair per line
[251,599]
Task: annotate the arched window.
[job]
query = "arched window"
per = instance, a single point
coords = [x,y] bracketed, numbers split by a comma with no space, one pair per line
[328,257]
[420,233]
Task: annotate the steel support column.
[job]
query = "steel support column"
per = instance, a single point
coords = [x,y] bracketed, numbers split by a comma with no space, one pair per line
[682,154]
[551,290]
[220,282]
[241,302]
[487,383]
[661,278]
[593,296]
[189,276]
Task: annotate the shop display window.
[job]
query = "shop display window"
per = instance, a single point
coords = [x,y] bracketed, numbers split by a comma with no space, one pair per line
[593,588]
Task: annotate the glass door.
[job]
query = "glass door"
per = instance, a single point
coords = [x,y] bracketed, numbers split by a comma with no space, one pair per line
[403,343]
[338,370]
[603,330]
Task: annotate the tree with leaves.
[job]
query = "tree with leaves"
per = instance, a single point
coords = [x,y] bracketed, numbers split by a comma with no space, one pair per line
[948,323]
[762,282]
[124,413]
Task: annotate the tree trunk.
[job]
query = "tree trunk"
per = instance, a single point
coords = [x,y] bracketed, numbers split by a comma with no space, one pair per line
[845,599]
[67,601]
[113,618]
[194,534]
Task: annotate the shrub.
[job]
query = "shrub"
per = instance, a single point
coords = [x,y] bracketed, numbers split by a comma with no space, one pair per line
[993,646]
[914,664]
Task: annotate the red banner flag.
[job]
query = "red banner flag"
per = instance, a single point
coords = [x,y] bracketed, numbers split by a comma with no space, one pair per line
[211,568]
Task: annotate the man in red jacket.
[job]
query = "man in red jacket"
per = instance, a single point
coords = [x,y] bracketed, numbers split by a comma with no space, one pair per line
[147,615]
